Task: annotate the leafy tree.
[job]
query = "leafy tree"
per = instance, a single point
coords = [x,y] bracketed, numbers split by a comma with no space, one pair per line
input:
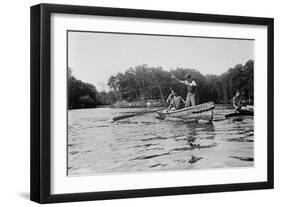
[142,82]
[80,94]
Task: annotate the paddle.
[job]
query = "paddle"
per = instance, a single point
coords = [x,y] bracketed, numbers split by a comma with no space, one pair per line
[140,113]
[137,114]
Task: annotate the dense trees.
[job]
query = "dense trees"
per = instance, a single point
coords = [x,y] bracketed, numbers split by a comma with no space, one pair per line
[85,95]
[143,82]
[80,94]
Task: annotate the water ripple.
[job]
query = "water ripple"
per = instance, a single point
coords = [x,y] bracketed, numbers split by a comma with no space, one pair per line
[150,156]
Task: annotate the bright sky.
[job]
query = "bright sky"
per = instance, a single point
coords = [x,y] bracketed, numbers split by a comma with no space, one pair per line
[94,57]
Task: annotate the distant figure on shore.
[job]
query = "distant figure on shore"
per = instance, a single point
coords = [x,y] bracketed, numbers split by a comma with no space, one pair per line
[191,85]
[175,101]
[148,103]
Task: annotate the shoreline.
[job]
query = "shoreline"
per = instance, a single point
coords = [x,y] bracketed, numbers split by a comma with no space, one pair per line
[138,107]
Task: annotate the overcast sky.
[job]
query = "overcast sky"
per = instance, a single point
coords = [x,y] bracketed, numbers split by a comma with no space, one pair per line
[94,57]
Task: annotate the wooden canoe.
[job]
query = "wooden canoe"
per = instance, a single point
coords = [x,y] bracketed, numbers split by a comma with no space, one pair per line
[199,112]
[244,111]
[249,108]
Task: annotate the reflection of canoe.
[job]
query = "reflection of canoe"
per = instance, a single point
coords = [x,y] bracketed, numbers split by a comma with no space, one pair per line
[198,112]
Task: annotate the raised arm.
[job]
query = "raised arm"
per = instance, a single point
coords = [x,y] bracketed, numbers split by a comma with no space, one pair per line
[180,81]
[193,83]
[169,97]
[182,100]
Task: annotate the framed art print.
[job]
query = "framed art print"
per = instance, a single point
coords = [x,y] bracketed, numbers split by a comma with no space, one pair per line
[133,103]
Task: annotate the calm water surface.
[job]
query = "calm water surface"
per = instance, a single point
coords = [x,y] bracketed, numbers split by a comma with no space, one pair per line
[145,143]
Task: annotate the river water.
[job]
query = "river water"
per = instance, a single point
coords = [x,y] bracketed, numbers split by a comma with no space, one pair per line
[145,143]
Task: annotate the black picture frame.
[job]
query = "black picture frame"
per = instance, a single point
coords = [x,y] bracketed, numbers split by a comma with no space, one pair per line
[40,176]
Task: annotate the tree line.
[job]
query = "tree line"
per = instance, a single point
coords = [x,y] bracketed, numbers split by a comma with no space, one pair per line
[143,83]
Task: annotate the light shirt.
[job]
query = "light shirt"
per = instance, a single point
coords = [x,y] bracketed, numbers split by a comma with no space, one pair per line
[190,86]
[193,83]
[176,102]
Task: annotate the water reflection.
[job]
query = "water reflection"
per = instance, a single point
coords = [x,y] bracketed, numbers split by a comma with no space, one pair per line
[144,143]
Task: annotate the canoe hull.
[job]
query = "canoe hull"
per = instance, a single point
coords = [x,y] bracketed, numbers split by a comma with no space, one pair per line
[243,111]
[195,113]
[240,113]
[248,108]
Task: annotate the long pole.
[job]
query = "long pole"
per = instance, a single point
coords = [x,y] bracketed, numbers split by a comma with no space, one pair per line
[136,114]
[161,94]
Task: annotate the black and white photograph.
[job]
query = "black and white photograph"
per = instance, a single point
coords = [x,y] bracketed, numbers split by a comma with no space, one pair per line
[155,102]
[131,103]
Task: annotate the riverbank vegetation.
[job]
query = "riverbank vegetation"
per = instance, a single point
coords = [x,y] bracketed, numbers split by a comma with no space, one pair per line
[145,84]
